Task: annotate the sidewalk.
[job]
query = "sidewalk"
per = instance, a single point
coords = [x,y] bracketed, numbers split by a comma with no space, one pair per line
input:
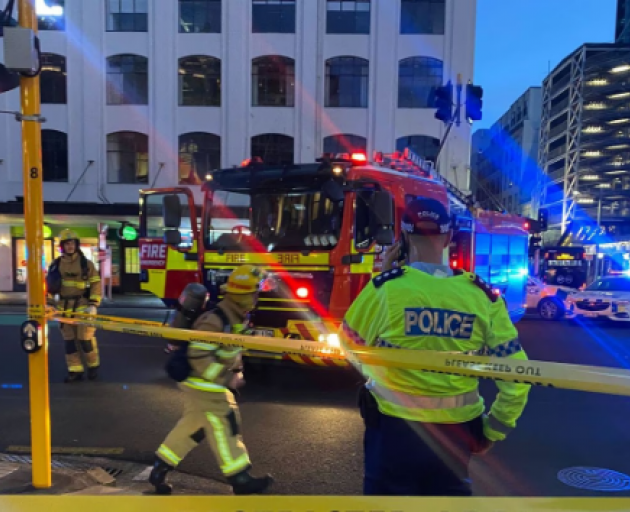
[98,476]
[118,301]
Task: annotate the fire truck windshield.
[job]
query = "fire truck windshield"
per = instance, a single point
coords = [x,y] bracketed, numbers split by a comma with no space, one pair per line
[280,222]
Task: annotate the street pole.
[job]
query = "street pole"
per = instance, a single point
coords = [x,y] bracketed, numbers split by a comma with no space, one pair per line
[34,220]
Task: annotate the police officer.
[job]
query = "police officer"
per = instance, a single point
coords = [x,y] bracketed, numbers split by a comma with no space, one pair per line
[210,410]
[421,428]
[80,291]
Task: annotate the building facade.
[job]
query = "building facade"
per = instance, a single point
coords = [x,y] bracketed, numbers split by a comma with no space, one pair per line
[585,137]
[505,166]
[622,29]
[140,93]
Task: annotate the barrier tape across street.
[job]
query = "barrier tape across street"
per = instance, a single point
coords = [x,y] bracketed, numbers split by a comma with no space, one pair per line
[538,373]
[308,504]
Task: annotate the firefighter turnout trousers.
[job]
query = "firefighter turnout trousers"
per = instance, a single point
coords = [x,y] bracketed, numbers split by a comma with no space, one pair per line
[78,338]
[211,415]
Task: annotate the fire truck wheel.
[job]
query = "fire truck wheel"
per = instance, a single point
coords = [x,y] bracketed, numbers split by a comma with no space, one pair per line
[551,308]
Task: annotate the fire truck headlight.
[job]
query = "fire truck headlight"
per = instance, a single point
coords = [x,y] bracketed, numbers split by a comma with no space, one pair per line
[333,340]
[337,169]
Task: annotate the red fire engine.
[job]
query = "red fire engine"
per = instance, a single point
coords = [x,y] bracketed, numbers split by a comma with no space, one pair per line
[318,230]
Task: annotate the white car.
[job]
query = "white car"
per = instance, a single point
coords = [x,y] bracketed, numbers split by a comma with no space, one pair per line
[547,299]
[608,297]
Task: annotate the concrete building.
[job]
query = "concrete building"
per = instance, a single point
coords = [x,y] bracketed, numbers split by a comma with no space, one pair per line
[141,93]
[622,29]
[505,167]
[585,137]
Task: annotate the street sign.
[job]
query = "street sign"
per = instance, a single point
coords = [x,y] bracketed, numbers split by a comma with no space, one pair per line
[30,336]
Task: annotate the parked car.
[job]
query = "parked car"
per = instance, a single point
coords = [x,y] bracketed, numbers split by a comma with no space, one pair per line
[608,297]
[547,299]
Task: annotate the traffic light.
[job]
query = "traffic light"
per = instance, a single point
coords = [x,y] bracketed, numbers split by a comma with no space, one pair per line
[443,102]
[474,103]
[543,219]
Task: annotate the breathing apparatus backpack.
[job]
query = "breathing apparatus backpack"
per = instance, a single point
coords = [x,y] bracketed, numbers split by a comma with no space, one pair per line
[192,303]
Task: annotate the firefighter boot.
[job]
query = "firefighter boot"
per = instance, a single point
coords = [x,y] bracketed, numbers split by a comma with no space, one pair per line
[158,475]
[93,373]
[73,377]
[244,483]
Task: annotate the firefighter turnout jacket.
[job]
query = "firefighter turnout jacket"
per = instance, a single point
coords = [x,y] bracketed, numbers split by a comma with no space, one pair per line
[77,282]
[420,307]
[213,365]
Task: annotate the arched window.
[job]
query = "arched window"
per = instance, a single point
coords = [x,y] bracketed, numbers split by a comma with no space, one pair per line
[127,80]
[53,88]
[422,145]
[418,77]
[199,81]
[273,81]
[273,148]
[344,143]
[199,153]
[54,155]
[347,80]
[127,157]
[348,17]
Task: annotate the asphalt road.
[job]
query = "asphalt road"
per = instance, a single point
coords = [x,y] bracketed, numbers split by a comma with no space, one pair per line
[302,426]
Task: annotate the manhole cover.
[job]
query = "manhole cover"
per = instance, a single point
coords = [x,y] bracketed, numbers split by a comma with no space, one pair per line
[595,479]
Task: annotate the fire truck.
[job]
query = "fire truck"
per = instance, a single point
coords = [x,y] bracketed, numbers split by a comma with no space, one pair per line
[319,230]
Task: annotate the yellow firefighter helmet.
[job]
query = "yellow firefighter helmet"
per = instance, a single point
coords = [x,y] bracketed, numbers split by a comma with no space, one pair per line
[66,235]
[244,279]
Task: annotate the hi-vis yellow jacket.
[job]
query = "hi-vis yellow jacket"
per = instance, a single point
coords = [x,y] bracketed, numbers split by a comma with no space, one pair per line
[411,309]
[76,282]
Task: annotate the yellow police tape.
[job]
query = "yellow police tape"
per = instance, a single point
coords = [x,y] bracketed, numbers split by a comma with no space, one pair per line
[538,373]
[307,504]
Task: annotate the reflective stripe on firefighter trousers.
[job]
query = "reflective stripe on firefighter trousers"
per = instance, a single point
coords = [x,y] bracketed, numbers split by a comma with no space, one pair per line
[422,401]
[202,385]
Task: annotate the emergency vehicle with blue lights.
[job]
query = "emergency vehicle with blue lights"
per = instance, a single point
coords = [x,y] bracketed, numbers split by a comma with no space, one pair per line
[318,229]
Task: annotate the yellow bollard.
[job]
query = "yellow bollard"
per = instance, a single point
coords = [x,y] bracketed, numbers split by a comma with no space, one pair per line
[35,329]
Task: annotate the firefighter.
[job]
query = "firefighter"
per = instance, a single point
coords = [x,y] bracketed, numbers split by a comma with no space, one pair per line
[210,411]
[422,428]
[79,290]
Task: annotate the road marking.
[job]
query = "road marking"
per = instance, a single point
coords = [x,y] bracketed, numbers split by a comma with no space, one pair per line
[71,450]
[7,469]
[144,474]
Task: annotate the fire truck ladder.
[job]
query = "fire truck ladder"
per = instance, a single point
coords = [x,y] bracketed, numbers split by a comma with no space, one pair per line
[408,161]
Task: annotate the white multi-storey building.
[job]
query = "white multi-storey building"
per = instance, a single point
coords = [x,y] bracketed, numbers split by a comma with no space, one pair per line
[153,93]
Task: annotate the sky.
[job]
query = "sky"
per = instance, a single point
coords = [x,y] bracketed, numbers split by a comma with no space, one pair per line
[518,41]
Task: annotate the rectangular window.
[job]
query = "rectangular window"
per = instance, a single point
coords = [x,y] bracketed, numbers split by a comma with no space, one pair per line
[200,16]
[127,15]
[348,16]
[50,17]
[273,16]
[422,16]
[132,262]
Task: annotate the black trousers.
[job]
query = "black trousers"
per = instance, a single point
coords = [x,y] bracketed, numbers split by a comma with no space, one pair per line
[406,458]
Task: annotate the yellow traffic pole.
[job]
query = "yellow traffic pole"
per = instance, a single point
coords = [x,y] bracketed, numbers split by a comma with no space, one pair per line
[34,220]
